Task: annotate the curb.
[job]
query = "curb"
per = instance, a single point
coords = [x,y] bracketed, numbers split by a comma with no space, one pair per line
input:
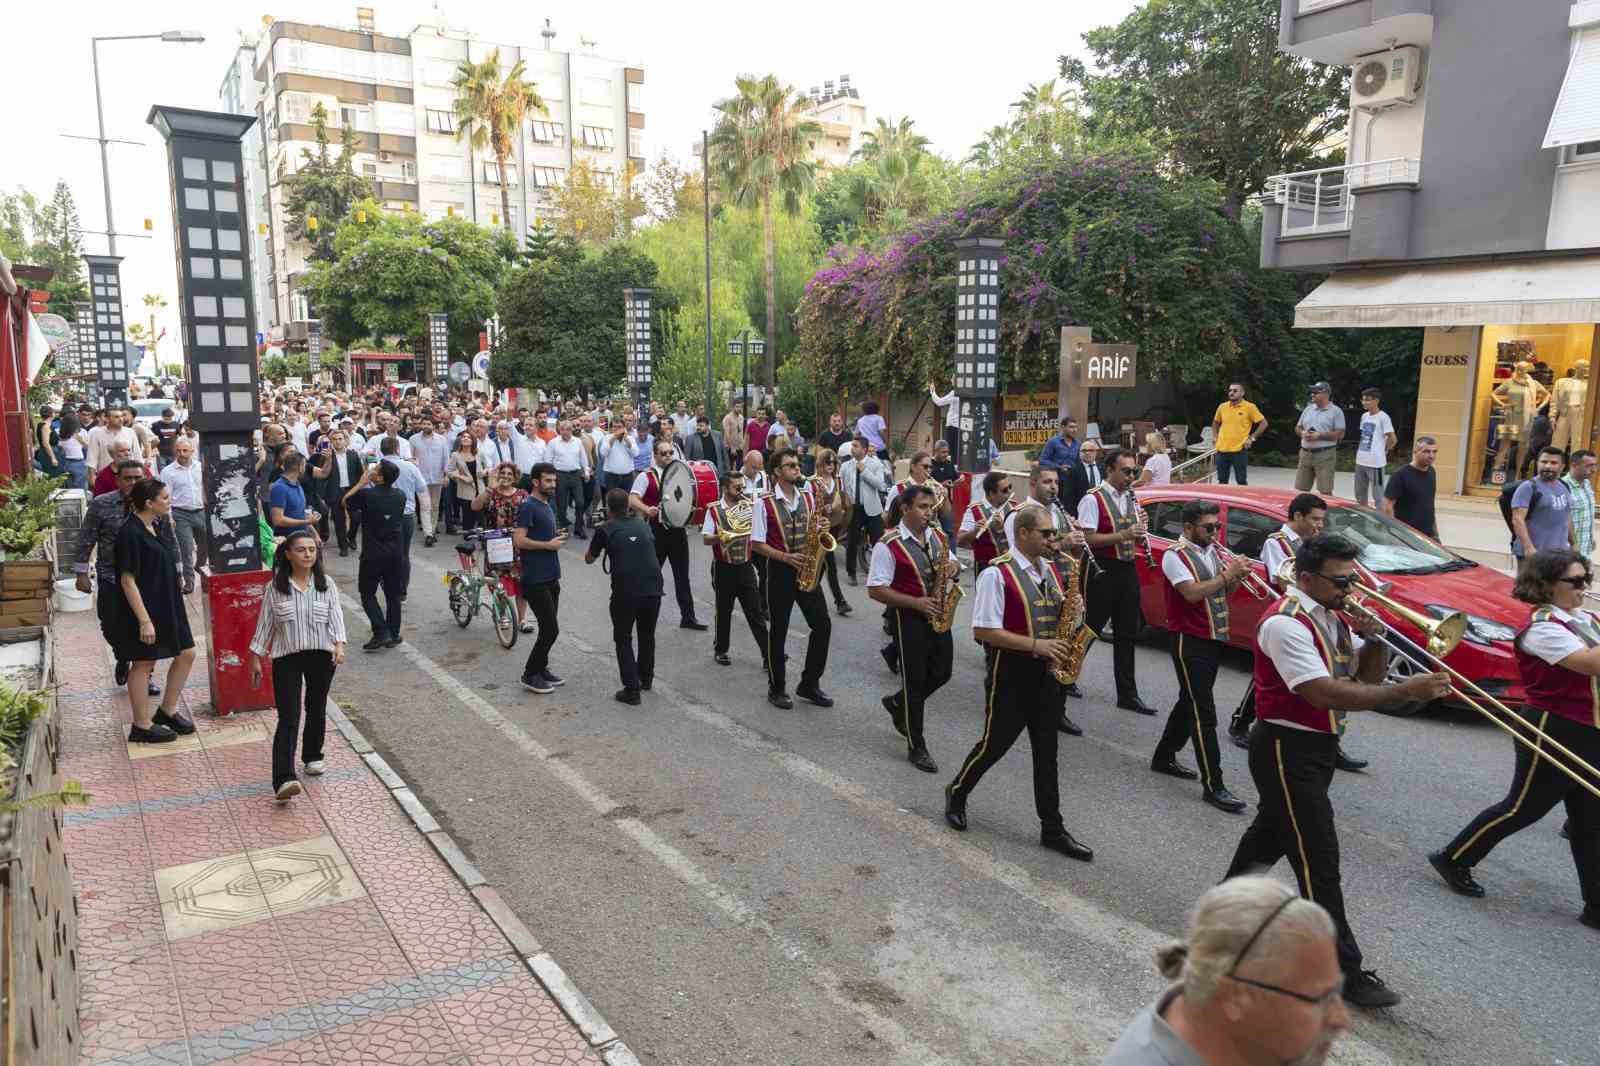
[573,1003]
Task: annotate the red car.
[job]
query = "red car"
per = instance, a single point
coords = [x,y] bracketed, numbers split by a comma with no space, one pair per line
[1420,574]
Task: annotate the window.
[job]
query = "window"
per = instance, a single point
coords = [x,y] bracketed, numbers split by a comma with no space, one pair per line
[636,143]
[548,177]
[542,132]
[1166,520]
[447,209]
[635,97]
[491,173]
[408,170]
[396,118]
[294,108]
[1248,531]
[596,91]
[439,72]
[355,117]
[446,168]
[598,137]
[549,86]
[369,170]
[441,121]
[1587,152]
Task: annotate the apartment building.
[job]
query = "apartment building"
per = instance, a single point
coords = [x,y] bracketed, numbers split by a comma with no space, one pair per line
[395,92]
[238,95]
[837,108]
[1469,206]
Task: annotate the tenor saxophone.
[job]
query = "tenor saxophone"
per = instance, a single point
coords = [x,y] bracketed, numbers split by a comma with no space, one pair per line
[1070,625]
[819,544]
[946,596]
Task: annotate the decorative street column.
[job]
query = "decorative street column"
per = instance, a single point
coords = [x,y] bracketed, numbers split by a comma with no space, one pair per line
[110,341]
[439,351]
[216,304]
[638,343]
[313,349]
[977,355]
[84,358]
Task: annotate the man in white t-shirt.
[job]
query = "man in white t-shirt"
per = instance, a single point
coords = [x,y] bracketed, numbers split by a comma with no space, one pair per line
[1372,452]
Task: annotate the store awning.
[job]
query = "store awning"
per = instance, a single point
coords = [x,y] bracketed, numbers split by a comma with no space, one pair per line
[1520,292]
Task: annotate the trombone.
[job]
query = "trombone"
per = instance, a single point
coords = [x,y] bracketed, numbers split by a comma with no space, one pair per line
[1252,583]
[1443,634]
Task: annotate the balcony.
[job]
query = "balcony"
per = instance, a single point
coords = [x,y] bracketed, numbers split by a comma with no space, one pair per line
[1360,212]
[1337,31]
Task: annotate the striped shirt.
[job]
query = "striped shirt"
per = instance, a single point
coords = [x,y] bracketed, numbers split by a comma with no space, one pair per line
[298,620]
[1582,514]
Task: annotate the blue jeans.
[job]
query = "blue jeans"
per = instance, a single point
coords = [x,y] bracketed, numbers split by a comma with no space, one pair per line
[77,471]
[1238,462]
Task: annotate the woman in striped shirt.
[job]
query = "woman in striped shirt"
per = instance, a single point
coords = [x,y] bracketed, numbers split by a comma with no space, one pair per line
[301,626]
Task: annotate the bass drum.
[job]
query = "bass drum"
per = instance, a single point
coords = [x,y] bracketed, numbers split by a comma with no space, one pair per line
[686,489]
[707,489]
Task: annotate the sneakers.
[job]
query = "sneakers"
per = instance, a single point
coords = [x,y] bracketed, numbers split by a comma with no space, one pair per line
[528,627]
[538,683]
[175,722]
[156,734]
[378,641]
[554,680]
[314,768]
[288,790]
[1365,989]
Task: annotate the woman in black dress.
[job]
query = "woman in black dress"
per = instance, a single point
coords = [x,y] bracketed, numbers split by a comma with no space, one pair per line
[155,624]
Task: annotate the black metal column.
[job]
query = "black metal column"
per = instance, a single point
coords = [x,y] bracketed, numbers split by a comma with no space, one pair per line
[110,339]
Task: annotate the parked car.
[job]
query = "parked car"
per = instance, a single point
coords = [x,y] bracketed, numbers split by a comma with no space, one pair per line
[148,412]
[1417,573]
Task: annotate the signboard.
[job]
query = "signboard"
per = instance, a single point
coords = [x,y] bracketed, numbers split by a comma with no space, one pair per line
[57,330]
[460,373]
[292,383]
[1106,366]
[1027,419]
[480,364]
[391,372]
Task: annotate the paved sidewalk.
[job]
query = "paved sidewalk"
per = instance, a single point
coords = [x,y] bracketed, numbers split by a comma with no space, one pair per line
[217,925]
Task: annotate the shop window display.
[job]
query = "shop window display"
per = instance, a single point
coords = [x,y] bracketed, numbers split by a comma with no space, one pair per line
[1531,391]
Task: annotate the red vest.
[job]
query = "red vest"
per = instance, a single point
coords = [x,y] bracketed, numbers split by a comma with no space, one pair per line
[1110,523]
[1030,610]
[989,541]
[1562,692]
[778,519]
[910,579]
[1207,617]
[1276,701]
[652,488]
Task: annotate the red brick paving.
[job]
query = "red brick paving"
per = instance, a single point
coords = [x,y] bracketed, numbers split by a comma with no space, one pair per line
[149,995]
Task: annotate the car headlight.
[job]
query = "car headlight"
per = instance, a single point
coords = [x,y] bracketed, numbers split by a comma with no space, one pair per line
[1479,630]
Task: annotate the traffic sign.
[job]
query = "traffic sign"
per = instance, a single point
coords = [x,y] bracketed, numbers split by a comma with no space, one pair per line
[460,373]
[480,364]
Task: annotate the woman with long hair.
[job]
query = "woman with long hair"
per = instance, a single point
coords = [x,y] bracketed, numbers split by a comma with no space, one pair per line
[467,474]
[829,493]
[47,445]
[301,627]
[154,624]
[499,504]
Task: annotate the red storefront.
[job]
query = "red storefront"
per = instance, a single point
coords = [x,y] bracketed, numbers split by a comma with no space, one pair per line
[16,300]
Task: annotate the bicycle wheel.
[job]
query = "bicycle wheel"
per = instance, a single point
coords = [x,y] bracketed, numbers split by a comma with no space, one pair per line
[463,600]
[504,613]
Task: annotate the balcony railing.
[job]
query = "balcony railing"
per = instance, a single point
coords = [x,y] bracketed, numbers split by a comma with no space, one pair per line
[1320,201]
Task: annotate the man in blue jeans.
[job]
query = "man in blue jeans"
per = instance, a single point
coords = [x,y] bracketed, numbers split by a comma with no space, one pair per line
[1235,427]
[539,541]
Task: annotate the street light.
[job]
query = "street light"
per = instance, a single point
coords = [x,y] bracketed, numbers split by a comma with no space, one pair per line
[746,343]
[169,36]
[977,354]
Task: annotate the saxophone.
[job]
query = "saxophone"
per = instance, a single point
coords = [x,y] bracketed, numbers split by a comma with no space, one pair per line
[819,544]
[1070,625]
[946,595]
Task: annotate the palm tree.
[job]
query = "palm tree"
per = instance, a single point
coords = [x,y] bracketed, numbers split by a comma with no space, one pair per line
[759,152]
[490,110]
[891,137]
[895,154]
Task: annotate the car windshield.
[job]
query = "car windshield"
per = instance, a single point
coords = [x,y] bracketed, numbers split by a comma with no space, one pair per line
[150,408]
[1392,547]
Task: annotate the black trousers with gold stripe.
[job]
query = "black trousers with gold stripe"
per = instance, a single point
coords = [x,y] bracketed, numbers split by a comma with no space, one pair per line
[1536,787]
[783,596]
[1020,694]
[926,659]
[1292,769]
[1194,716]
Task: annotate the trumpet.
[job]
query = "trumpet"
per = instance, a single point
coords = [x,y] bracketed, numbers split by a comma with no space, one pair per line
[1441,635]
[1251,583]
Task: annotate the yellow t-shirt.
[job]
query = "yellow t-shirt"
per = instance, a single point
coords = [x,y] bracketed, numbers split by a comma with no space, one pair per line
[1236,422]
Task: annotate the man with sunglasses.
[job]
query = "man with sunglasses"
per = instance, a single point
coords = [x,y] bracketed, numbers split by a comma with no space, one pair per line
[1196,588]
[1255,983]
[671,543]
[1114,525]
[983,523]
[778,532]
[1309,665]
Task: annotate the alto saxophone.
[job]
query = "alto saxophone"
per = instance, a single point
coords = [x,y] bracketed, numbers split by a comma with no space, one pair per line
[819,544]
[946,595]
[1070,625]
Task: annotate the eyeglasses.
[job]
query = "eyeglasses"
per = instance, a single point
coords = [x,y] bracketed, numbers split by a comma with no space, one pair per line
[1316,1001]
[1577,581]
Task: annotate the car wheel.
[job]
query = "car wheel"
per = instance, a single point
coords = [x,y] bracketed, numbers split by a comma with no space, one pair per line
[1400,669]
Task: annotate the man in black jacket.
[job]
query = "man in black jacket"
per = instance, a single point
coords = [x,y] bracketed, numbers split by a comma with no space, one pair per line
[382,508]
[636,589]
[705,444]
[335,469]
[1081,476]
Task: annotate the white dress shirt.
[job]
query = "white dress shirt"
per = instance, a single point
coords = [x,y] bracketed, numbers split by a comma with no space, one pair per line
[881,571]
[989,603]
[1058,520]
[1175,570]
[758,521]
[872,483]
[297,434]
[1292,648]
[1089,508]
[184,484]
[431,451]
[617,455]
[567,456]
[951,404]
[754,487]
[642,480]
[1273,555]
[341,469]
[372,445]
[1553,642]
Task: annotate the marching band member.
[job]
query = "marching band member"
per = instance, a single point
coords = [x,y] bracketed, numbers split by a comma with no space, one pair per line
[1196,589]
[910,566]
[1308,664]
[733,575]
[1016,614]
[828,490]
[1558,655]
[983,523]
[753,478]
[1113,523]
[920,474]
[778,531]
[1043,484]
[671,543]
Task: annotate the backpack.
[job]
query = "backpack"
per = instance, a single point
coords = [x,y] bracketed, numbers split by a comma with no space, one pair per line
[1505,503]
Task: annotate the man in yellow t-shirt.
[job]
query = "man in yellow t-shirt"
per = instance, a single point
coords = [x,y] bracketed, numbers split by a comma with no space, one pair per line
[1235,426]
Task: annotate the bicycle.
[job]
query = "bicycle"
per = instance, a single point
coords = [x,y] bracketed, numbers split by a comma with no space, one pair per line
[466,586]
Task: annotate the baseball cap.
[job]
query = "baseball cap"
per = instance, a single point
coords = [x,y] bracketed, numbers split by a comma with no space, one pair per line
[1322,386]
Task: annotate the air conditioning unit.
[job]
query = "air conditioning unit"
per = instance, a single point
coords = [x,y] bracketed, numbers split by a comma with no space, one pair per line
[384,157]
[1386,79]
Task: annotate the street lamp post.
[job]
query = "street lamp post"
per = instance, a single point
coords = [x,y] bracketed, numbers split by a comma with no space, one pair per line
[977,358]
[170,36]
[744,344]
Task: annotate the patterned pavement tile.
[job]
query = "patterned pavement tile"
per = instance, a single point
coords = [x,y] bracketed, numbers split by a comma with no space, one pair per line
[342,949]
[191,834]
[265,823]
[227,977]
[234,890]
[114,976]
[308,1052]
[182,774]
[143,1023]
[514,1023]
[140,752]
[241,764]
[433,926]
[238,730]
[115,921]
[107,854]
[416,1036]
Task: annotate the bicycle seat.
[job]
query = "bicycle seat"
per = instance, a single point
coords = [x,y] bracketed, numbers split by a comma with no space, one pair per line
[467,547]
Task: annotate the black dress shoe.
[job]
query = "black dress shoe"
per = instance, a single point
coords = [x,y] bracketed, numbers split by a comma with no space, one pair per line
[1365,989]
[552,679]
[121,673]
[842,607]
[891,658]
[896,714]
[1457,876]
[1341,761]
[1590,916]
[814,694]
[1566,829]
[1173,768]
[851,578]
[175,722]
[690,623]
[721,659]
[1068,726]
[1136,705]
[955,809]
[780,700]
[630,696]
[392,642]
[156,734]
[343,550]
[377,641]
[153,689]
[1066,844]
[1073,690]
[1223,800]
[1240,737]
[920,758]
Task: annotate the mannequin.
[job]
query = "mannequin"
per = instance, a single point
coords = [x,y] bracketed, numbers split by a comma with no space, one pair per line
[1567,409]
[1517,400]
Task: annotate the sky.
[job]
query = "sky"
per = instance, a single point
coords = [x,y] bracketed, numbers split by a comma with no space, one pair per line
[953,68]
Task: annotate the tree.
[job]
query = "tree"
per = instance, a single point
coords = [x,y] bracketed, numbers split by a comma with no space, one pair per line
[561,321]
[1043,127]
[490,110]
[48,235]
[758,154]
[591,208]
[1205,81]
[391,271]
[668,190]
[325,188]
[146,335]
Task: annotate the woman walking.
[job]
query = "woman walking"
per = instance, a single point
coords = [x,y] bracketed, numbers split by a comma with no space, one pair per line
[47,446]
[154,624]
[302,628]
[499,505]
[74,451]
[468,476]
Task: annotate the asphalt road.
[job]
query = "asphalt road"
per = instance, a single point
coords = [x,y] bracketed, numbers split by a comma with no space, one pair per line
[732,883]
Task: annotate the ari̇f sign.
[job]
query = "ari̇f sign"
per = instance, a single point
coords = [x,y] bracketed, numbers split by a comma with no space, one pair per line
[1106,366]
